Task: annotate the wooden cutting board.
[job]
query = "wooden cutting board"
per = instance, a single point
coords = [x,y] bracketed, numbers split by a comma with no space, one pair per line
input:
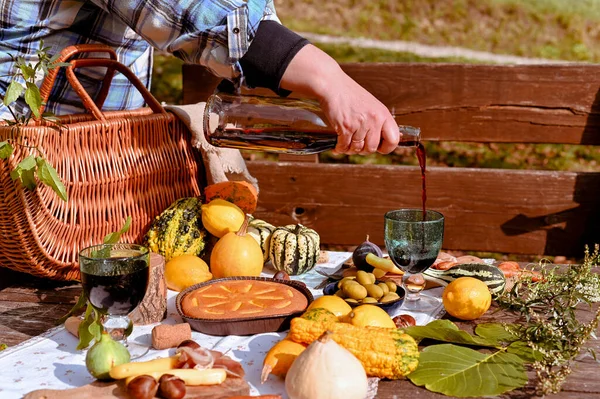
[111,390]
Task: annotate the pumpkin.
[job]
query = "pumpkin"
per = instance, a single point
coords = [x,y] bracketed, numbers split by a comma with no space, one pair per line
[326,370]
[280,357]
[236,254]
[240,193]
[178,230]
[294,249]
[383,352]
[261,231]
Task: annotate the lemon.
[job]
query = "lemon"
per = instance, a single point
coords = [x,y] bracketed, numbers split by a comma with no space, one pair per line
[370,316]
[467,298]
[334,304]
[220,217]
[184,271]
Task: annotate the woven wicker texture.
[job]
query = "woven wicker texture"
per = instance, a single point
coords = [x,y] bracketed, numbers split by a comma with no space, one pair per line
[114,165]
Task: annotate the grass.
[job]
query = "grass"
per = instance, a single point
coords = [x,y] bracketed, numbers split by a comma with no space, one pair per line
[557,29]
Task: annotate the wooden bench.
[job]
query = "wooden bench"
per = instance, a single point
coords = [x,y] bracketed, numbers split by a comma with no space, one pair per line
[492,210]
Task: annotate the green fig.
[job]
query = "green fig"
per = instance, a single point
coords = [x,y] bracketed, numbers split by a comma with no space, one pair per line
[104,355]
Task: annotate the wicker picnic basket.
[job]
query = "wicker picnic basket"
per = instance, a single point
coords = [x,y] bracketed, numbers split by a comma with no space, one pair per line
[113,164]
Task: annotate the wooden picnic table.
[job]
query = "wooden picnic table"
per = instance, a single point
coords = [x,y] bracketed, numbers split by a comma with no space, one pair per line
[29,306]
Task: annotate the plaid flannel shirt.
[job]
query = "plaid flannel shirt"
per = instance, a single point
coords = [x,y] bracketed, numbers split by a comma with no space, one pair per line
[214,33]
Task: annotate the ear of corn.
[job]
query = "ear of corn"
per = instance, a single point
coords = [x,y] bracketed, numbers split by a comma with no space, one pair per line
[383,352]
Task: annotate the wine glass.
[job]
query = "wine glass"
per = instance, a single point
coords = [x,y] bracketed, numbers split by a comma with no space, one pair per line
[114,278]
[413,244]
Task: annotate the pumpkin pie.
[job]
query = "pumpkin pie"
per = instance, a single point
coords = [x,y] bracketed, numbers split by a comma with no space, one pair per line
[236,299]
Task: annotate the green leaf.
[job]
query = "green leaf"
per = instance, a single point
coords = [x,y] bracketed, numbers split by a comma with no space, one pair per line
[85,337]
[79,305]
[495,332]
[524,351]
[47,175]
[13,92]
[27,71]
[33,98]
[114,238]
[25,172]
[6,150]
[446,331]
[462,372]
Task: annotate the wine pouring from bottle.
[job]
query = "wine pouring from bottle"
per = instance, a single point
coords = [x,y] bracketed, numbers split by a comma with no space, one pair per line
[275,124]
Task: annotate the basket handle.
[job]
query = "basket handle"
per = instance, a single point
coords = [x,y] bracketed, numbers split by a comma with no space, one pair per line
[89,104]
[65,55]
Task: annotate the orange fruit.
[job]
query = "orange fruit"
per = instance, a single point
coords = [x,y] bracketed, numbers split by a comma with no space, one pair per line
[183,271]
[369,316]
[467,298]
[333,303]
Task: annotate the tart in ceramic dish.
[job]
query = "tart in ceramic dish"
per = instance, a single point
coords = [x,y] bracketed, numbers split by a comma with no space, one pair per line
[243,305]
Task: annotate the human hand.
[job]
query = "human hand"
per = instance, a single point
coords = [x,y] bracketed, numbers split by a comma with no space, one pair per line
[363,124]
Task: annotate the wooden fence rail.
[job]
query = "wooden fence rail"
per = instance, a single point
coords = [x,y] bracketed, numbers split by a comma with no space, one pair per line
[496,210]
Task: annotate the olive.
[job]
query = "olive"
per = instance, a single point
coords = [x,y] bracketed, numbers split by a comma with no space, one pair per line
[383,287]
[369,300]
[355,291]
[342,281]
[392,296]
[374,291]
[391,285]
[363,278]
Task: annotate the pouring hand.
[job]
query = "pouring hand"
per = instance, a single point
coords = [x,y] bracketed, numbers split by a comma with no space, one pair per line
[363,124]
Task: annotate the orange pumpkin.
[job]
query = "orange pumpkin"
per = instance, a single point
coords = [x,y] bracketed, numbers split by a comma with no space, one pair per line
[236,254]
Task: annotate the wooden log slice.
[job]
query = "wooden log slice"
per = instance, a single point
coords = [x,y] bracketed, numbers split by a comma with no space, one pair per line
[153,308]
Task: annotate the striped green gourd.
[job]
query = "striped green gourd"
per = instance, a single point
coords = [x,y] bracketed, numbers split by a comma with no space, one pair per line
[294,249]
[261,231]
[489,274]
[178,230]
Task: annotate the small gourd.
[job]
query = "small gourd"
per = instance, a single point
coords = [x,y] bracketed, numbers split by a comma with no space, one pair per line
[325,370]
[236,254]
[294,249]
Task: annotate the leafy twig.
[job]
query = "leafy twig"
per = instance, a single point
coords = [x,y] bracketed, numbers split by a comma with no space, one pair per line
[551,325]
[26,171]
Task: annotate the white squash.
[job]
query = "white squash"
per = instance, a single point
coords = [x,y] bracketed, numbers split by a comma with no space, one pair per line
[326,370]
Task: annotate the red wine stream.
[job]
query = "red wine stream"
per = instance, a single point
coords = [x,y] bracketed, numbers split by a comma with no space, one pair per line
[421,155]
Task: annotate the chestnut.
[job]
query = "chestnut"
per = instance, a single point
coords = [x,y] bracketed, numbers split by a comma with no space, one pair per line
[142,387]
[171,387]
[404,320]
[281,275]
[189,343]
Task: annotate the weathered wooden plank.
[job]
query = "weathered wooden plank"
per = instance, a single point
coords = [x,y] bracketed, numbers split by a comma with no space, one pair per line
[478,103]
[512,211]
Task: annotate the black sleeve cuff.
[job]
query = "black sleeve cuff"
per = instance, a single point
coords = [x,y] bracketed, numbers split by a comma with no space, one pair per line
[269,55]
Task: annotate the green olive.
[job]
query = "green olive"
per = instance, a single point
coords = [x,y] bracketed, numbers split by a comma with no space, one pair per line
[372,277]
[384,288]
[391,285]
[354,291]
[363,278]
[341,282]
[374,291]
[392,296]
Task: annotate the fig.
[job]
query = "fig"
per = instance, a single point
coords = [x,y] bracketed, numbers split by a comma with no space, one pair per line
[360,253]
[104,355]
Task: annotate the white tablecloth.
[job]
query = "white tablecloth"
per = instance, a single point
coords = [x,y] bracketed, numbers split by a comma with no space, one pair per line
[51,360]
